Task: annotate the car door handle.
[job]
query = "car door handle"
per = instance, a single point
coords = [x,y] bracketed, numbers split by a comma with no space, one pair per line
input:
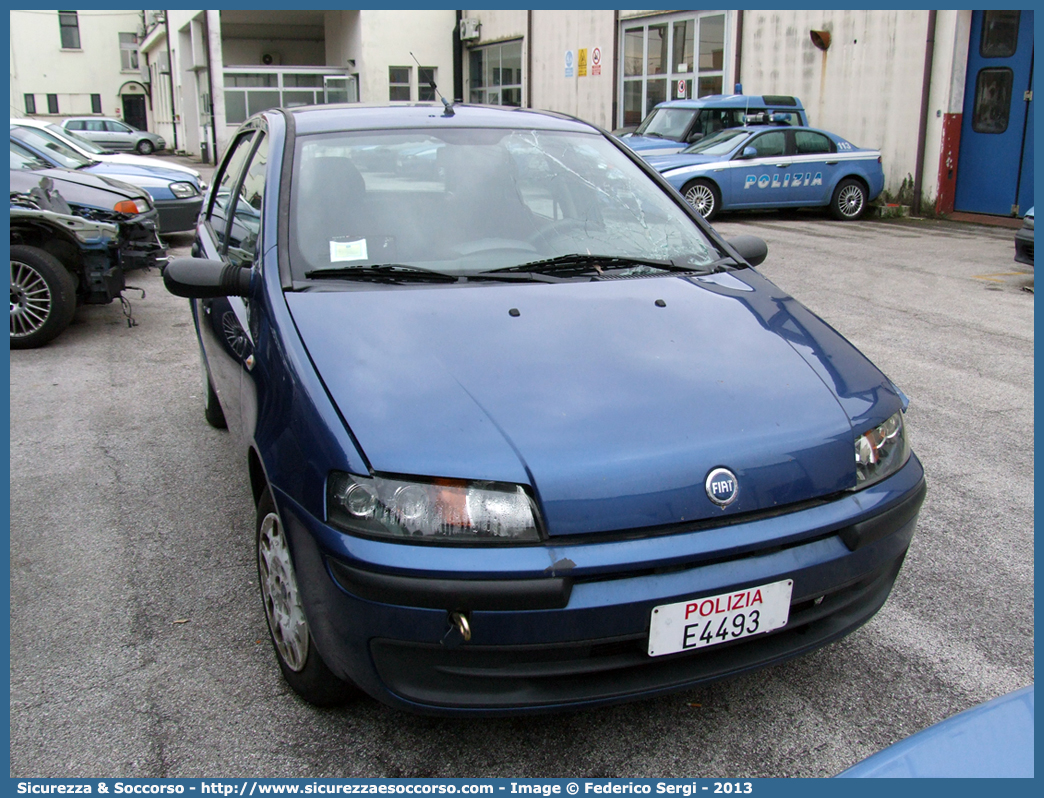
[831,163]
[783,165]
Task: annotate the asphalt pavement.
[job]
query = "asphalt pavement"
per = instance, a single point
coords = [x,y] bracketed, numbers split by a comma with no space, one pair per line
[139,646]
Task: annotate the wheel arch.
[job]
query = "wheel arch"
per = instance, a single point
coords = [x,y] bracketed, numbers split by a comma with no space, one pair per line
[705,179]
[853,176]
[51,239]
[258,479]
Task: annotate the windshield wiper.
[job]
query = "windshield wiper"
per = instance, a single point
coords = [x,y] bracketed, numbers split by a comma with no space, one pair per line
[382,272]
[578,265]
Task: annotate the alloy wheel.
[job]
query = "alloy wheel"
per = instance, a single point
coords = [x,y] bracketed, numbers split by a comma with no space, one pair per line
[30,300]
[701,198]
[850,201]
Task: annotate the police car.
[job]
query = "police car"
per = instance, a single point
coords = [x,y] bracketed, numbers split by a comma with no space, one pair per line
[774,166]
[675,124]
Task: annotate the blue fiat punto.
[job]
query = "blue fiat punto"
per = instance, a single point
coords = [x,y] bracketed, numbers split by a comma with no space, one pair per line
[523,432]
[773,166]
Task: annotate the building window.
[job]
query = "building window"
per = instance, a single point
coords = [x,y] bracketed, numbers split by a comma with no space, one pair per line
[670,59]
[128,51]
[69,26]
[52,103]
[248,93]
[30,103]
[425,79]
[399,84]
[96,104]
[495,74]
[992,100]
[1000,34]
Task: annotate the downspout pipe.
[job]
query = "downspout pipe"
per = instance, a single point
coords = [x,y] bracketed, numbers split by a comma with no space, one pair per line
[458,61]
[170,80]
[922,131]
[529,58]
[616,121]
[739,51]
[210,85]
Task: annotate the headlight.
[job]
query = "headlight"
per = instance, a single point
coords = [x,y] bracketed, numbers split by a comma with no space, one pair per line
[442,510]
[132,207]
[881,452]
[183,190]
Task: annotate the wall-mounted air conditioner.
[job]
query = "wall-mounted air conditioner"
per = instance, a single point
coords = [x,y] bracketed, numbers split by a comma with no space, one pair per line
[469,29]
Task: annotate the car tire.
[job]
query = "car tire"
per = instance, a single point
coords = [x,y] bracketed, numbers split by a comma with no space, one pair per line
[849,201]
[145,147]
[212,411]
[302,666]
[43,297]
[704,197]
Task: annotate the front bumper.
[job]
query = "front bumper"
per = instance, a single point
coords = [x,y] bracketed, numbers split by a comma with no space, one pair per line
[1024,245]
[179,215]
[579,636]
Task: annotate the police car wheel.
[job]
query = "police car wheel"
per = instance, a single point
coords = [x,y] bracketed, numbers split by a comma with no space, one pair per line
[704,198]
[849,201]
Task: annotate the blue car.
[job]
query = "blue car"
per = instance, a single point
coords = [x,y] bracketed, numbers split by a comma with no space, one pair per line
[673,125]
[523,433]
[773,166]
[989,741]
[177,195]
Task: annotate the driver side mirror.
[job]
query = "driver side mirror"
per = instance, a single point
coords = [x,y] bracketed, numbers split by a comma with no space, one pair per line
[200,278]
[751,248]
[748,152]
[695,136]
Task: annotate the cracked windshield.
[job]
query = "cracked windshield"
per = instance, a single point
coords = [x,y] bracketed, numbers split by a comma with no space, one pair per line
[470,201]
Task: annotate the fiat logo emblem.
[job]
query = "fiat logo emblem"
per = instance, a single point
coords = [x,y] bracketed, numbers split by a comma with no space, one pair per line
[722,487]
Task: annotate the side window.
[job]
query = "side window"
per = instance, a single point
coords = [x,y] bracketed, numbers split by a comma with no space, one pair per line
[246,216]
[94,125]
[771,144]
[117,127]
[809,143]
[218,213]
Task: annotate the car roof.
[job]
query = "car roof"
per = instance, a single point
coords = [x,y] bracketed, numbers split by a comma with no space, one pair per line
[21,122]
[735,100]
[356,116]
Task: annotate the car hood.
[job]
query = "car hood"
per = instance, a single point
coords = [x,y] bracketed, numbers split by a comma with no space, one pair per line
[124,159]
[653,145]
[664,163]
[613,408]
[138,174]
[78,187]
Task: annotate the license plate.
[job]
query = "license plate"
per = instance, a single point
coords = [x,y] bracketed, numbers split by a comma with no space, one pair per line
[708,621]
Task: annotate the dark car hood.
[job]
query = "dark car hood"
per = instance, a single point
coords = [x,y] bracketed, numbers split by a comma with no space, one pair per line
[661,163]
[78,188]
[613,408]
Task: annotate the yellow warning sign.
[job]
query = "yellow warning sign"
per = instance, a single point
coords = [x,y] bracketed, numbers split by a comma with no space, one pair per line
[581,63]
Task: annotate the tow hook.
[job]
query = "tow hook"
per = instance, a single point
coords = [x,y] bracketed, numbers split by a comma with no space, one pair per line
[458,631]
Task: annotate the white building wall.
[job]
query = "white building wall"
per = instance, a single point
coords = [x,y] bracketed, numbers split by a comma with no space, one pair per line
[866,86]
[946,102]
[40,66]
[386,38]
[285,52]
[554,33]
